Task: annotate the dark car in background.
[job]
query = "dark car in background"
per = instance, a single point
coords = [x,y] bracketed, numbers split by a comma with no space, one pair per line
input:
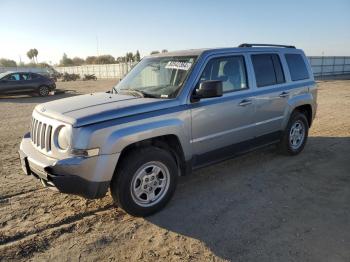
[25,82]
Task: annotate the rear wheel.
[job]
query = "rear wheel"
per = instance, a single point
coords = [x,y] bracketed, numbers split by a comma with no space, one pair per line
[43,91]
[145,181]
[295,135]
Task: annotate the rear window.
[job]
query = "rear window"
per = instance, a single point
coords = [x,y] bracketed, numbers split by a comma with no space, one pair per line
[268,69]
[297,67]
[35,76]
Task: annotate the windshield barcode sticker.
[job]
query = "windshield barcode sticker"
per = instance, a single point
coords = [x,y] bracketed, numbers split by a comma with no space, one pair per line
[178,65]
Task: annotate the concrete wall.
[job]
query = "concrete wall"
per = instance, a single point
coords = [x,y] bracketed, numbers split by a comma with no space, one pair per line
[321,66]
[330,65]
[100,71]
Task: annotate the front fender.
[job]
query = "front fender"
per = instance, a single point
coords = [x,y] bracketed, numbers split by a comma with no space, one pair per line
[121,138]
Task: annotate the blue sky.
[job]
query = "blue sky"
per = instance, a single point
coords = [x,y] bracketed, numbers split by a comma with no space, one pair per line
[55,27]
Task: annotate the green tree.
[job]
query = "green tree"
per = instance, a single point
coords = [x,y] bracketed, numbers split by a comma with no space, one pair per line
[154,52]
[120,59]
[77,61]
[164,51]
[7,62]
[129,57]
[137,56]
[30,54]
[35,54]
[65,61]
[90,60]
[105,59]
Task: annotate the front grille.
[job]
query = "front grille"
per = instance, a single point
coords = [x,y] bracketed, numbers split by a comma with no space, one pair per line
[41,134]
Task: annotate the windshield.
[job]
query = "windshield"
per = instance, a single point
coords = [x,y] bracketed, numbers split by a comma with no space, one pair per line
[3,74]
[159,77]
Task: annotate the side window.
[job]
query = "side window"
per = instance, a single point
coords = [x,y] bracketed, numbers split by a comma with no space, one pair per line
[34,76]
[230,70]
[268,69]
[297,67]
[25,76]
[14,77]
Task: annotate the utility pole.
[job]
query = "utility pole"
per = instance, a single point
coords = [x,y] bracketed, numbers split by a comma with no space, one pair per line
[98,52]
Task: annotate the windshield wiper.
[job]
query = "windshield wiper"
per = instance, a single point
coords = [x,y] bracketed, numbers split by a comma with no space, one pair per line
[132,92]
[137,92]
[145,94]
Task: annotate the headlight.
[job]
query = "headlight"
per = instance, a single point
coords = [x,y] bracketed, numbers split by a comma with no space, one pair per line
[63,138]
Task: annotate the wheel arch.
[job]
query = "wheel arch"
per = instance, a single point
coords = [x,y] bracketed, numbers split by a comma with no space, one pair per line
[306,110]
[303,104]
[169,142]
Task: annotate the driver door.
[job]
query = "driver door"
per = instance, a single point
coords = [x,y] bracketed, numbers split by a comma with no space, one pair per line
[220,123]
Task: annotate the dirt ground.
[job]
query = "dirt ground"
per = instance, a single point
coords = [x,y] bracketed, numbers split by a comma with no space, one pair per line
[259,207]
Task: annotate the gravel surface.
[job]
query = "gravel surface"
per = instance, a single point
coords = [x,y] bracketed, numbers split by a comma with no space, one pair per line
[259,207]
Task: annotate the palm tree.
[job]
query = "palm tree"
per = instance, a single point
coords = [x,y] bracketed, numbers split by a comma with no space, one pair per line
[35,54]
[30,54]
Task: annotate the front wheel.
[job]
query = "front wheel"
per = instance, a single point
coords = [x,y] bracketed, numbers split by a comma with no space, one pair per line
[43,91]
[295,135]
[145,181]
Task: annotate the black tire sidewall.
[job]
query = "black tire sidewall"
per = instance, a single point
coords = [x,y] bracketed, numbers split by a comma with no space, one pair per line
[120,185]
[285,142]
[40,88]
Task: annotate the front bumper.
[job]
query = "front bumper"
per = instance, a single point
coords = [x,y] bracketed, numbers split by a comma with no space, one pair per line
[87,177]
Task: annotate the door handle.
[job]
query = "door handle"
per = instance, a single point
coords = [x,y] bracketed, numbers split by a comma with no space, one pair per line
[284,94]
[245,102]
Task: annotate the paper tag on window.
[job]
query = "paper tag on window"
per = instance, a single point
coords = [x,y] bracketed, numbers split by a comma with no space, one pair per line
[178,65]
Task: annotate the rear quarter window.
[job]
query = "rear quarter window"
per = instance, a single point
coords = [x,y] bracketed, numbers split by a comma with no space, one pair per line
[35,76]
[297,67]
[268,69]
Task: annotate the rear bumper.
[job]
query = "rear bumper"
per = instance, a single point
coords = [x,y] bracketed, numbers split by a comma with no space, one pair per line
[71,176]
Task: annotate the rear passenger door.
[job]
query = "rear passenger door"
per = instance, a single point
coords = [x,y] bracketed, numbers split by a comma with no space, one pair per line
[27,83]
[272,92]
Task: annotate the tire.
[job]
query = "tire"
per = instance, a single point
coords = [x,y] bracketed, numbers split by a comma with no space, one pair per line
[144,181]
[43,91]
[293,144]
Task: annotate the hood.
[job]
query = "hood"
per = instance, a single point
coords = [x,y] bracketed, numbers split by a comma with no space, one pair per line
[98,107]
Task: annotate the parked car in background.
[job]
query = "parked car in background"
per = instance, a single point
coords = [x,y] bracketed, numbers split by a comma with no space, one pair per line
[172,113]
[25,82]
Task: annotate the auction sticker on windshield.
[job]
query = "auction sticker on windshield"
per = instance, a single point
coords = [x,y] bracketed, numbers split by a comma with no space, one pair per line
[178,65]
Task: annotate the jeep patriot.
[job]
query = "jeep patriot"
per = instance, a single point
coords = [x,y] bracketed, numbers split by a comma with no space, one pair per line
[172,113]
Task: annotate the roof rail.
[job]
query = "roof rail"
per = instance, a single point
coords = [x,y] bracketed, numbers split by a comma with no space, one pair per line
[251,45]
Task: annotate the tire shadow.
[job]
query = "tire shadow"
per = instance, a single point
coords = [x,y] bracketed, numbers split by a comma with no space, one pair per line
[268,207]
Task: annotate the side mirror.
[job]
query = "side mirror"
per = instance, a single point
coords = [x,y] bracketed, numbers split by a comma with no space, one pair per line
[207,89]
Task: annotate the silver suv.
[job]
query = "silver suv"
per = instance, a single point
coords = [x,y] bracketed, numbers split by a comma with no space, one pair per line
[173,113]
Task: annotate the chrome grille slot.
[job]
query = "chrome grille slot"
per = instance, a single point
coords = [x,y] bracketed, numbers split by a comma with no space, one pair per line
[43,136]
[38,133]
[34,130]
[41,133]
[48,138]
